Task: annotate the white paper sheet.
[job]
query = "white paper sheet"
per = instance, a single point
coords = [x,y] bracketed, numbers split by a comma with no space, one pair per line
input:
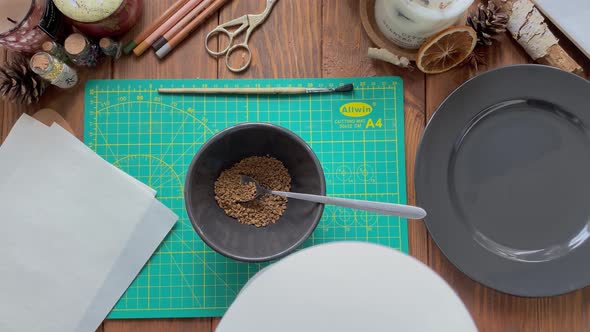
[571,17]
[67,137]
[70,229]
[29,123]
[147,237]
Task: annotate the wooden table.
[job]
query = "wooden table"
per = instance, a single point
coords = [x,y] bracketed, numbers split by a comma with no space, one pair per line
[312,38]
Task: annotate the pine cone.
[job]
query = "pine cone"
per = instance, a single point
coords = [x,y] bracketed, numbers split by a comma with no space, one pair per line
[488,21]
[19,84]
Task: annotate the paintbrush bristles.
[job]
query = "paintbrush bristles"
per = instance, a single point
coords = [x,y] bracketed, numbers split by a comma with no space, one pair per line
[344,88]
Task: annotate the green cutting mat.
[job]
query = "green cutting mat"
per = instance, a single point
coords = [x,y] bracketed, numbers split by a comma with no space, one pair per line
[154,137]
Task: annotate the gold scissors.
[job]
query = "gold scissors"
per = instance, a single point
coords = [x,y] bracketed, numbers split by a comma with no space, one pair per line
[246,22]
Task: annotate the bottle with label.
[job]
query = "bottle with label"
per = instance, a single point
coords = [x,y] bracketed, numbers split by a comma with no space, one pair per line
[111,48]
[53,70]
[82,51]
[409,23]
[55,49]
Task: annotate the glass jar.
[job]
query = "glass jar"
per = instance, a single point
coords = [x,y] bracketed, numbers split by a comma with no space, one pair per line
[409,23]
[106,18]
[27,23]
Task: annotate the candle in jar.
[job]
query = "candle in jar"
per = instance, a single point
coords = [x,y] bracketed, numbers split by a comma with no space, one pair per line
[19,22]
[12,12]
[409,23]
[103,18]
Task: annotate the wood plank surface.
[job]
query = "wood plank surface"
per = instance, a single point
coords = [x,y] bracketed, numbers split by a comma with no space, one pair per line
[287,44]
[158,325]
[310,38]
[344,54]
[188,60]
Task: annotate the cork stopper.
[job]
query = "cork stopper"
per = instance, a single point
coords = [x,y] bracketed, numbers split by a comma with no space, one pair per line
[105,42]
[40,62]
[75,44]
[47,46]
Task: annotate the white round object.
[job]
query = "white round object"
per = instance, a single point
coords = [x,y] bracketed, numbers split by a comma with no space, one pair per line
[88,11]
[409,23]
[347,286]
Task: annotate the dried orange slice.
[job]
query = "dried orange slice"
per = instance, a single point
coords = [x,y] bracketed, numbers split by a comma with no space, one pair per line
[446,49]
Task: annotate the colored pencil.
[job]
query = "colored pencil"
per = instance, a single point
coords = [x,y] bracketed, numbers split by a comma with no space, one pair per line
[145,33]
[185,32]
[184,22]
[161,30]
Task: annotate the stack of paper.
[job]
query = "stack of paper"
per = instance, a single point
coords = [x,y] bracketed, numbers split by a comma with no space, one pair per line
[571,17]
[75,231]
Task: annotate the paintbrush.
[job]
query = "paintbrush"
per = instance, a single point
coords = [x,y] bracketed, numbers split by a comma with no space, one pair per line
[256,91]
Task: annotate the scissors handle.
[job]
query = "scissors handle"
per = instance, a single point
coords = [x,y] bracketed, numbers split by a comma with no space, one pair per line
[221,29]
[246,57]
[216,33]
[246,22]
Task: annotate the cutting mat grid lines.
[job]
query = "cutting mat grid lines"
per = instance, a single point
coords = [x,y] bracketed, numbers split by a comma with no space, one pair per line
[357,136]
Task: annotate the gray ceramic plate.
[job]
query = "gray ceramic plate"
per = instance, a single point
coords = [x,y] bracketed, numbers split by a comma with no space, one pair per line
[504,173]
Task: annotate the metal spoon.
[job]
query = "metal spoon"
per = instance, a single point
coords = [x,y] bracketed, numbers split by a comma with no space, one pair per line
[405,211]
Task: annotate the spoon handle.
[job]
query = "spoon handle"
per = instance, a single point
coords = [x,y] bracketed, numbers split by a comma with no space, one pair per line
[405,211]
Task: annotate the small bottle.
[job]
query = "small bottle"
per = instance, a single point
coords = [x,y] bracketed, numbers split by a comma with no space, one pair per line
[82,51]
[110,47]
[53,70]
[55,49]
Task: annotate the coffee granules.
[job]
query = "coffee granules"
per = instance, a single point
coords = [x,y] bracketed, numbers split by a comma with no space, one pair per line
[233,196]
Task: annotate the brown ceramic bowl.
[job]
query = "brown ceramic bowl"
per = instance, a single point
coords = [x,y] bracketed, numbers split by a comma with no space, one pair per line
[246,242]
